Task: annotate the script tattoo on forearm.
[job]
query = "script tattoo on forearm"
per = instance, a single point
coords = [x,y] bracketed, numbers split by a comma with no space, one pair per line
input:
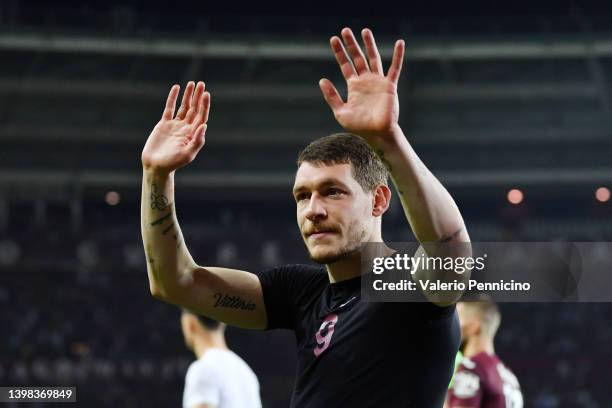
[232,302]
[159,221]
[170,228]
[158,201]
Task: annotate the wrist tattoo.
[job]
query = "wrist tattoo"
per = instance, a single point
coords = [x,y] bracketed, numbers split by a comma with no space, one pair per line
[170,228]
[162,219]
[167,229]
[232,302]
[158,201]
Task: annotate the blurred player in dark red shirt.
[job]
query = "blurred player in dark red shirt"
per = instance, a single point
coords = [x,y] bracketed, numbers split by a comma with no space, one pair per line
[482,380]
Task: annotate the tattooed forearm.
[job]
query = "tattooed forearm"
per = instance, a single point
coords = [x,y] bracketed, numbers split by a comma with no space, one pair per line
[167,229]
[158,201]
[170,228]
[148,255]
[232,302]
[162,219]
[151,263]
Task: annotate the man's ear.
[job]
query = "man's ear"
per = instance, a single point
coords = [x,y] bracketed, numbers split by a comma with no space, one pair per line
[381,200]
[192,323]
[476,327]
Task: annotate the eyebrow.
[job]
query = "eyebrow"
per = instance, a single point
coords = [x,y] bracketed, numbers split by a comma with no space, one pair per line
[325,183]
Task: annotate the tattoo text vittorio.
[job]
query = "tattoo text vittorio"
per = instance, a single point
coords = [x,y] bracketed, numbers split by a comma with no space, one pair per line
[232,302]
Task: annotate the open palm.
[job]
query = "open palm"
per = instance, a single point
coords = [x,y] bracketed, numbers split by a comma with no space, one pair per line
[176,140]
[372,105]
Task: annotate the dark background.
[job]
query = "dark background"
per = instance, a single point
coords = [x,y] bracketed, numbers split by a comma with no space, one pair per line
[492,98]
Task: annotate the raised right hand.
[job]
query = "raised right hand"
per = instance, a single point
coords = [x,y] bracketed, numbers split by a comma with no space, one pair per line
[176,140]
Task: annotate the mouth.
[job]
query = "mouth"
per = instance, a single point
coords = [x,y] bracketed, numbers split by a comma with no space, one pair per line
[320,234]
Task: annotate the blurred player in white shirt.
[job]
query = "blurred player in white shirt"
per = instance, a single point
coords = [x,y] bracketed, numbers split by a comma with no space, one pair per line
[218,378]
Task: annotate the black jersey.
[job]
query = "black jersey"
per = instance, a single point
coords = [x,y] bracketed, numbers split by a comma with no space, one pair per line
[360,354]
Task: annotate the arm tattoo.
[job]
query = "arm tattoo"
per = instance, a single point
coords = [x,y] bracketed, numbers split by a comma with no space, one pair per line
[167,229]
[232,302]
[152,264]
[171,227]
[162,219]
[174,235]
[158,201]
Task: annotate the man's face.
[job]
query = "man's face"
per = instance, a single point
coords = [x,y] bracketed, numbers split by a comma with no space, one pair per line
[468,319]
[333,212]
[186,326]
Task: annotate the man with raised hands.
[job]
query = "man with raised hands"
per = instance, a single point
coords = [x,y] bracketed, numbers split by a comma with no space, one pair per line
[350,352]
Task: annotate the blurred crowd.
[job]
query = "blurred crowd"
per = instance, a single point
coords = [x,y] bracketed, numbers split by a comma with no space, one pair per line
[76,310]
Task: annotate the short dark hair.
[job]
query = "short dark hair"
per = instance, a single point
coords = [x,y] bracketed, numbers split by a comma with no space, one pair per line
[347,148]
[209,323]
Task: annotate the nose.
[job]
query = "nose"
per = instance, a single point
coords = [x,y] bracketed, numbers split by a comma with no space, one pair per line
[316,209]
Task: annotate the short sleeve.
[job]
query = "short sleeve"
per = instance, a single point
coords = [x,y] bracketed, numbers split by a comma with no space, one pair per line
[201,386]
[467,388]
[287,289]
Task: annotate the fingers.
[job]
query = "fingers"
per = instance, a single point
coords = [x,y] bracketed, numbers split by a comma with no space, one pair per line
[372,51]
[171,103]
[186,102]
[346,66]
[396,64]
[359,61]
[331,95]
[198,140]
[203,109]
[195,103]
[206,101]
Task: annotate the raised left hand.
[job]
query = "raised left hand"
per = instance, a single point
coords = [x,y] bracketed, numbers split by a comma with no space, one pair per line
[372,106]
